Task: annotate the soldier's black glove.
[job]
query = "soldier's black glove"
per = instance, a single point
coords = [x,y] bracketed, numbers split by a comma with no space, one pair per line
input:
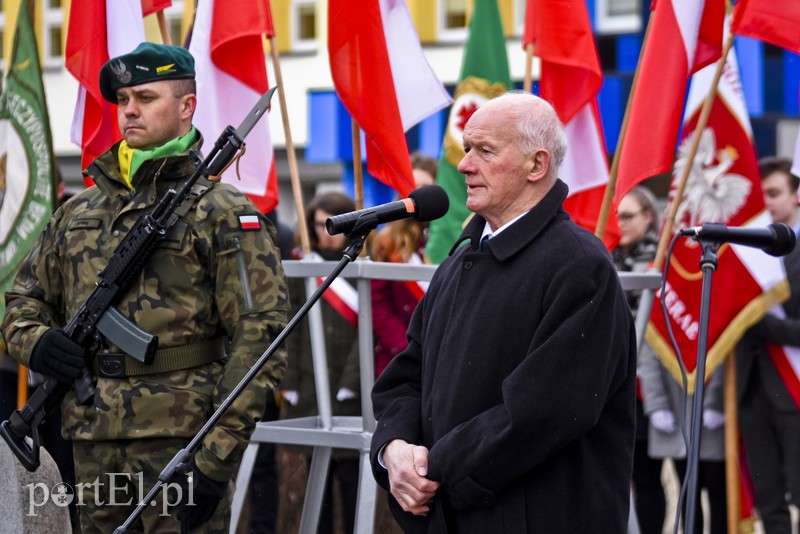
[58,356]
[206,496]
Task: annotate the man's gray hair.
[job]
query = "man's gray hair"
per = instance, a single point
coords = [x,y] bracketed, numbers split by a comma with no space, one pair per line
[539,129]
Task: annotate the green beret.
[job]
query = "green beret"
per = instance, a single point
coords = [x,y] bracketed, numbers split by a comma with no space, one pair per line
[150,62]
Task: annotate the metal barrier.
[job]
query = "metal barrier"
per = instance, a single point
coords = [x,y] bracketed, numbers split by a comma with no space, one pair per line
[325,431]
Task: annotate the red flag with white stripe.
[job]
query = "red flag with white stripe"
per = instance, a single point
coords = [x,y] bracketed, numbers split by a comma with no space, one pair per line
[98,30]
[231,70]
[570,80]
[724,187]
[683,36]
[383,80]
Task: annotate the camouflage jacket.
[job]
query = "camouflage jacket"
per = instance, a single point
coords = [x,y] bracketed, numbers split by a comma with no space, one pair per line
[210,279]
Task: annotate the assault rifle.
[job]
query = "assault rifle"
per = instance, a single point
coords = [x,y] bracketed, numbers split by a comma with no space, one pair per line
[98,317]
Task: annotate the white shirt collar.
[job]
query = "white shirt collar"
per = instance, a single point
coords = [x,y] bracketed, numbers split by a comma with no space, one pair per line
[487,230]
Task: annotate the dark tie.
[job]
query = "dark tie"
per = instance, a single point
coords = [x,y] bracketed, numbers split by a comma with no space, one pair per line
[484,246]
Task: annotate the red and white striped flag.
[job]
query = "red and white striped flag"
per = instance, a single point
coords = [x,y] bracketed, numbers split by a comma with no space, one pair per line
[724,187]
[230,63]
[683,37]
[561,33]
[383,80]
[98,30]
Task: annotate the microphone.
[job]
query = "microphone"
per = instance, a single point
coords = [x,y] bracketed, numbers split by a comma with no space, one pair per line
[423,204]
[777,239]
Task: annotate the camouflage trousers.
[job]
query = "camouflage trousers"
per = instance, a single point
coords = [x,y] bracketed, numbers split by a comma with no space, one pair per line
[112,477]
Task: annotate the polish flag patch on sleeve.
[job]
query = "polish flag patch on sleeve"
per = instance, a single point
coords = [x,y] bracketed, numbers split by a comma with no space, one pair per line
[249,222]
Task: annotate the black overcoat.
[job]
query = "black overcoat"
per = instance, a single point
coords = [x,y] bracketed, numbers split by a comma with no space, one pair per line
[520,379]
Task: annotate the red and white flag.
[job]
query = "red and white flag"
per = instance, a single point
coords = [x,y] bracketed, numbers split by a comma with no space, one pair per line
[383,80]
[724,187]
[683,37]
[231,72]
[561,33]
[98,30]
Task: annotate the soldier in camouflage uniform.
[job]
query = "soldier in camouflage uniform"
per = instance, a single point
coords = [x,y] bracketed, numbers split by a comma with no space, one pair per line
[214,293]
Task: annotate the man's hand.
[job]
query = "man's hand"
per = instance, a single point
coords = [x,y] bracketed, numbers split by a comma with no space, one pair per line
[58,356]
[407,466]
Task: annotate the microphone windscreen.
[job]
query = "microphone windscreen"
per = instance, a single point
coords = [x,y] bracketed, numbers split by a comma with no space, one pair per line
[785,239]
[431,202]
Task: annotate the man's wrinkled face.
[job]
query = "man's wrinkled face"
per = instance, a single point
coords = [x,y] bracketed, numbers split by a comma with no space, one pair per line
[494,168]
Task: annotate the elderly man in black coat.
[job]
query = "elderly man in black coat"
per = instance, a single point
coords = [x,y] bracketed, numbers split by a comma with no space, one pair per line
[512,409]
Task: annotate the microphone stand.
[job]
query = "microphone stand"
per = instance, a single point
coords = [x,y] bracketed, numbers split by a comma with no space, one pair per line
[708,264]
[180,462]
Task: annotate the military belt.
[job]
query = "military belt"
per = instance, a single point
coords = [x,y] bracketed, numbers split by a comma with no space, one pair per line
[120,365]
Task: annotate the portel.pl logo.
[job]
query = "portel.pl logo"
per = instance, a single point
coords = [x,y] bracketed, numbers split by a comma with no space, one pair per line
[117,493]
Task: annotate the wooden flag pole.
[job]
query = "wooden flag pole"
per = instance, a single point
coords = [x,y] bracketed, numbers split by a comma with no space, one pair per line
[358,175]
[702,121]
[162,27]
[732,448]
[608,196]
[294,173]
[527,82]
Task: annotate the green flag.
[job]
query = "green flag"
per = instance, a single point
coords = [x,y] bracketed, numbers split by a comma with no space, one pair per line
[484,75]
[27,165]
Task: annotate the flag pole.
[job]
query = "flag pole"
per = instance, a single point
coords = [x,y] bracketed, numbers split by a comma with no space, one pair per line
[527,81]
[702,121]
[162,27]
[608,196]
[294,173]
[358,176]
[734,508]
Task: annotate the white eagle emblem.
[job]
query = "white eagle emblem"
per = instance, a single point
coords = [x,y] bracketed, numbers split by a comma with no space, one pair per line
[121,72]
[712,194]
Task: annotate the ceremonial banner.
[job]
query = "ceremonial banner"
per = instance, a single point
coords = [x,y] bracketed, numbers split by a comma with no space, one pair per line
[98,30]
[484,75]
[683,36]
[27,165]
[383,80]
[570,79]
[230,63]
[724,187]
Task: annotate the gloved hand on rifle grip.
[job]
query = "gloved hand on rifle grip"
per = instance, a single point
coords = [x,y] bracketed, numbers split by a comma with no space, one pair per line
[58,356]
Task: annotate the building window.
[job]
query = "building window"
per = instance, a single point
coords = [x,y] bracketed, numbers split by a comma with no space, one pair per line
[52,34]
[304,25]
[618,16]
[452,18]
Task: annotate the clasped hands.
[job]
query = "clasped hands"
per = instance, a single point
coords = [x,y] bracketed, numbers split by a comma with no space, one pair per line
[407,466]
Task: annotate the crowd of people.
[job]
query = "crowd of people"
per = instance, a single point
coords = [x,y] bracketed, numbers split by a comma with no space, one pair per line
[510,392]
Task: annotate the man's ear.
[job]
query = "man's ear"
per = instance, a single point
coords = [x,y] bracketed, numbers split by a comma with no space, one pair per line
[539,163]
[188,106]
